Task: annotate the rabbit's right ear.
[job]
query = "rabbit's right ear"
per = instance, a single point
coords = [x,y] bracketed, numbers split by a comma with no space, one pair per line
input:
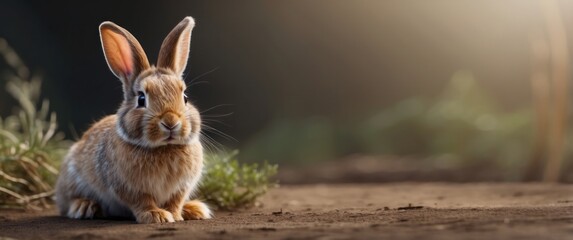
[123,53]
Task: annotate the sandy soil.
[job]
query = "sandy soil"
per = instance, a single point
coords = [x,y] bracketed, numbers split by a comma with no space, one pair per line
[432,211]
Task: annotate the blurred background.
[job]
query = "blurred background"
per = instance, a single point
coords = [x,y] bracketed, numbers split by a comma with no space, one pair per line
[335,91]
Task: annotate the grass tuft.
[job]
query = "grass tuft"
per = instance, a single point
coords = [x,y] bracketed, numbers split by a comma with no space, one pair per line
[30,145]
[229,185]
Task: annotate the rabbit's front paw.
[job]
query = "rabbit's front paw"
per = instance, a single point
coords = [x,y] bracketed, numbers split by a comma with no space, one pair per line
[177,216]
[81,208]
[154,216]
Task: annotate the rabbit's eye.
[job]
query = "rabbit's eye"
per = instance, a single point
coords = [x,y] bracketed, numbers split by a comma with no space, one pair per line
[141,100]
[185,98]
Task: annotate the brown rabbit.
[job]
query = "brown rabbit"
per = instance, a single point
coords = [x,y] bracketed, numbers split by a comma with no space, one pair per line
[146,160]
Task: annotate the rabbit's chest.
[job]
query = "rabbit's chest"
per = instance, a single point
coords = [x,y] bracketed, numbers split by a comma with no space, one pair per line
[163,176]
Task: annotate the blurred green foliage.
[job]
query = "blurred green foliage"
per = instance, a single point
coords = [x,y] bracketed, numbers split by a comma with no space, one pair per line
[463,125]
[30,149]
[30,144]
[292,141]
[228,184]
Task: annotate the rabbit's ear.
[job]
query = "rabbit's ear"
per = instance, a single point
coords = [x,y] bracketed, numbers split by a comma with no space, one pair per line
[174,51]
[122,51]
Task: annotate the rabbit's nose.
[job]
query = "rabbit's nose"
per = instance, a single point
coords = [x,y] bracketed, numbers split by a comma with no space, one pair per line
[170,127]
[170,122]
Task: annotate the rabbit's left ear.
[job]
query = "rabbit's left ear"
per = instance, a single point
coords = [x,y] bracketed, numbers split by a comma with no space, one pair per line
[174,51]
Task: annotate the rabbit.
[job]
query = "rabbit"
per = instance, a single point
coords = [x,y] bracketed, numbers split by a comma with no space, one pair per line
[145,161]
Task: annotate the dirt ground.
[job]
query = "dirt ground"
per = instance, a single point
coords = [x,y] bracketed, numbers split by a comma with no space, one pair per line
[358,211]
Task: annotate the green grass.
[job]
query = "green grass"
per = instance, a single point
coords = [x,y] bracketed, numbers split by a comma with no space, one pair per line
[228,184]
[30,145]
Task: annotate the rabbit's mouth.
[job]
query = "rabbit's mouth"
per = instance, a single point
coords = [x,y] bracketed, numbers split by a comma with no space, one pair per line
[169,138]
[175,138]
[172,138]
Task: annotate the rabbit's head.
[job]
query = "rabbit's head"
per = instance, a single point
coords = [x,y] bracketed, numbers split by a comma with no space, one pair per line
[155,110]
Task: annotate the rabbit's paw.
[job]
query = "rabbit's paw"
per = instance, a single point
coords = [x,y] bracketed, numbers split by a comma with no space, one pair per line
[154,216]
[196,210]
[177,217]
[81,208]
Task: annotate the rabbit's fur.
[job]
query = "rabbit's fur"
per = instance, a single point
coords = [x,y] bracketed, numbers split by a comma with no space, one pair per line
[146,160]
